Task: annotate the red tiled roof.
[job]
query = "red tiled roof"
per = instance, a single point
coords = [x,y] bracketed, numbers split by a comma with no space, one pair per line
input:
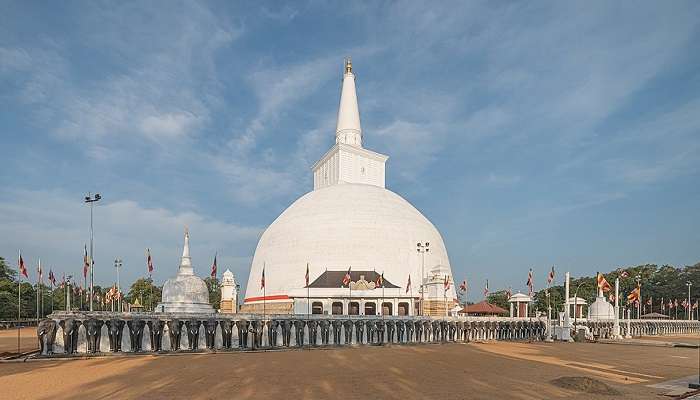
[483,308]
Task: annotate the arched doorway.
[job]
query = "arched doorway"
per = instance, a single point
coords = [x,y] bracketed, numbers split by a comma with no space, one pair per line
[387,308]
[370,308]
[403,308]
[337,308]
[316,307]
[354,308]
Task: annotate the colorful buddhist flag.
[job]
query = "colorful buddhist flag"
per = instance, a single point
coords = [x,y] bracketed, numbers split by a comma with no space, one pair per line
[213,267]
[446,284]
[529,281]
[262,279]
[86,263]
[463,286]
[380,280]
[306,276]
[346,278]
[550,276]
[486,289]
[149,261]
[603,283]
[22,267]
[408,284]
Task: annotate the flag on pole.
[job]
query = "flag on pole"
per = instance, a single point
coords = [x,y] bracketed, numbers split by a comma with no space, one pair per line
[463,286]
[63,280]
[663,305]
[623,274]
[695,305]
[670,304]
[22,267]
[40,273]
[380,280]
[262,279]
[306,277]
[633,297]
[446,284]
[149,261]
[346,278]
[213,268]
[684,303]
[509,293]
[529,281]
[611,296]
[486,289]
[52,278]
[408,284]
[550,277]
[86,263]
[675,303]
[603,283]
[649,301]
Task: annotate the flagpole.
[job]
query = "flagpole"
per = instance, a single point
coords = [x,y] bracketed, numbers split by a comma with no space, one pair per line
[413,303]
[19,301]
[308,292]
[350,287]
[37,293]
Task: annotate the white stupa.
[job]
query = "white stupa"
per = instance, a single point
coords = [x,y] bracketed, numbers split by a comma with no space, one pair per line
[186,292]
[601,309]
[349,221]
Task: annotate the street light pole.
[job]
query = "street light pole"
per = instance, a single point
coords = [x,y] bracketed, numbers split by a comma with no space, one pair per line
[422,248]
[90,200]
[118,265]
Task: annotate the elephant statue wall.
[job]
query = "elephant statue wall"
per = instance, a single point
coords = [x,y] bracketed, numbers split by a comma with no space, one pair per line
[210,332]
[286,332]
[70,335]
[46,333]
[299,332]
[155,327]
[114,332]
[337,329]
[93,332]
[272,332]
[193,333]
[325,331]
[347,326]
[175,331]
[243,333]
[226,333]
[136,333]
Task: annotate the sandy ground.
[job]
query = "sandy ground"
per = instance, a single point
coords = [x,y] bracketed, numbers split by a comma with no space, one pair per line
[8,341]
[687,339]
[450,371]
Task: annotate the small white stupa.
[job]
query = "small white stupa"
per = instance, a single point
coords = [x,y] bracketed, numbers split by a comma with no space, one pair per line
[229,293]
[186,293]
[601,309]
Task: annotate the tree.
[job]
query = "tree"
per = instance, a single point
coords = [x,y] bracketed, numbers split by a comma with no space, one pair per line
[149,295]
[214,292]
[499,298]
[6,272]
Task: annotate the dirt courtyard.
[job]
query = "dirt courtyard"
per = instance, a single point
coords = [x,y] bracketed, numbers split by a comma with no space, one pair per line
[450,371]
[8,341]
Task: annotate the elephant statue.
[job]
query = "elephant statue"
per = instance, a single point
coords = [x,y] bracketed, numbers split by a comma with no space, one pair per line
[155,327]
[46,332]
[136,333]
[299,332]
[419,332]
[286,332]
[226,332]
[175,331]
[272,333]
[325,331]
[114,332]
[400,331]
[93,331]
[390,329]
[347,325]
[360,331]
[243,333]
[193,333]
[380,328]
[313,325]
[210,332]
[258,329]
[337,329]
[70,335]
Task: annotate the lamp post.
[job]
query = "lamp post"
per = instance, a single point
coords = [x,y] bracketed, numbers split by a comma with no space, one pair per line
[422,248]
[91,200]
[118,265]
[689,312]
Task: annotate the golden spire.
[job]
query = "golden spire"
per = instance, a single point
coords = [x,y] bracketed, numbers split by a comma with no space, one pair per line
[348,65]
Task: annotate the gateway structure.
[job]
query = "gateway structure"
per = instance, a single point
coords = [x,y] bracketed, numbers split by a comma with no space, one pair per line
[348,233]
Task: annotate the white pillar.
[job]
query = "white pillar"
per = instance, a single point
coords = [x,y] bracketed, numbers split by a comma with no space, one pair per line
[566,300]
[616,324]
[511,309]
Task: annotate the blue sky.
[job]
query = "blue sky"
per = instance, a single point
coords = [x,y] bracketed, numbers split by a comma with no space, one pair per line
[531,134]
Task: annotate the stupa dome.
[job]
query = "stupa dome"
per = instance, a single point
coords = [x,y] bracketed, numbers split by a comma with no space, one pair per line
[365,227]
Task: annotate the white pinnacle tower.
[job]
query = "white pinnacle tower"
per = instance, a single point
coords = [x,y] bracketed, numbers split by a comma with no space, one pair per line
[186,260]
[348,129]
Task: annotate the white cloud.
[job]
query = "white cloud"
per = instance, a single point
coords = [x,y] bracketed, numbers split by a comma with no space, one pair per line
[55,226]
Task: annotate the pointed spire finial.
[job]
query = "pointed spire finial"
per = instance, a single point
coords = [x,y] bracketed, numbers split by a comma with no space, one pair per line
[186,261]
[348,129]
